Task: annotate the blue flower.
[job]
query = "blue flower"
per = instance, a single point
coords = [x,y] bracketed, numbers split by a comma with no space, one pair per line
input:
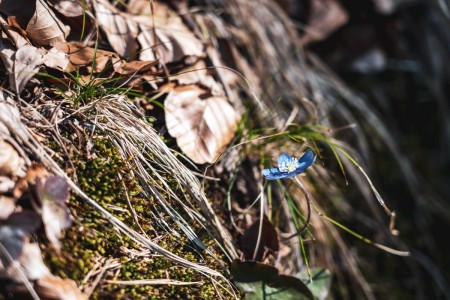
[289,166]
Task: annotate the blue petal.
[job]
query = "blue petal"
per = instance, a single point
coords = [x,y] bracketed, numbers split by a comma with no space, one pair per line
[305,161]
[273,174]
[284,158]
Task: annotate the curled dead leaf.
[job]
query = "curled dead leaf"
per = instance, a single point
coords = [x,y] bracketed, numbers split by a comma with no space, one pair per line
[202,124]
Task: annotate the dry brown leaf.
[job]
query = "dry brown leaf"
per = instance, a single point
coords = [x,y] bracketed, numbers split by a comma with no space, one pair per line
[81,55]
[56,59]
[326,16]
[12,34]
[174,41]
[11,164]
[68,8]
[21,65]
[45,28]
[56,288]
[202,124]
[120,30]
[142,7]
[197,74]
[10,118]
[137,66]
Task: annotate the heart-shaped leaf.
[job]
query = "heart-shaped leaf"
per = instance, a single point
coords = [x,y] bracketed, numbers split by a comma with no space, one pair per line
[252,271]
[321,282]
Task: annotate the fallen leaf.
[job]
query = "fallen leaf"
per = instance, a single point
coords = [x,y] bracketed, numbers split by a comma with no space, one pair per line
[44,28]
[56,288]
[120,30]
[16,38]
[81,55]
[133,67]
[326,16]
[11,164]
[68,8]
[21,65]
[174,41]
[10,122]
[202,124]
[56,59]
[267,242]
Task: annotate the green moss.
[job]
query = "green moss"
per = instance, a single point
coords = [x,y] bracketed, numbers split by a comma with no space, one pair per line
[93,239]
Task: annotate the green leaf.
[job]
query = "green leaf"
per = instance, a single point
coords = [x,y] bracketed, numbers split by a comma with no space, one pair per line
[321,282]
[252,271]
[260,291]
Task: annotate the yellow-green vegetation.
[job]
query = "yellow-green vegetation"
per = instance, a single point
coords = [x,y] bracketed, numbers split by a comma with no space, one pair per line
[107,178]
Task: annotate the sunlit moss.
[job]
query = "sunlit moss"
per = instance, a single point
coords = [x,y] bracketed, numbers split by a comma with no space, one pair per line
[93,239]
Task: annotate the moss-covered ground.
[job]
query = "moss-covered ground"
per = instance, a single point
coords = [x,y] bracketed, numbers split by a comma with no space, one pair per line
[92,239]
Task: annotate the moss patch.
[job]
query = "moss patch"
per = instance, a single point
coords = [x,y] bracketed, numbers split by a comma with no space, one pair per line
[92,239]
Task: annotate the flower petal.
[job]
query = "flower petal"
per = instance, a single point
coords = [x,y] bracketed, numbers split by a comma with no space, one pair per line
[273,174]
[305,161]
[284,159]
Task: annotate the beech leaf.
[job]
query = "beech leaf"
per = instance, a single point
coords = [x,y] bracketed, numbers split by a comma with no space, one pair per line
[45,28]
[68,8]
[174,41]
[21,65]
[202,124]
[120,30]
